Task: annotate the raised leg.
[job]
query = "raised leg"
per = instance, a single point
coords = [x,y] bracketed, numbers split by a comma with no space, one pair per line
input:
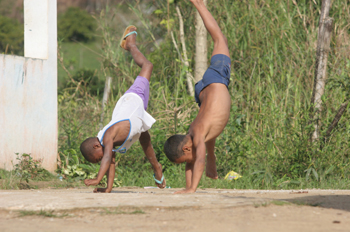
[211,171]
[220,41]
[145,65]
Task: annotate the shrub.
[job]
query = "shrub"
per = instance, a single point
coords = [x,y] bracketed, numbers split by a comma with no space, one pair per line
[76,25]
[88,80]
[11,36]
[28,168]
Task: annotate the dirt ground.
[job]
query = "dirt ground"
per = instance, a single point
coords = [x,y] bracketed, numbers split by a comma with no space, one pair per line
[137,209]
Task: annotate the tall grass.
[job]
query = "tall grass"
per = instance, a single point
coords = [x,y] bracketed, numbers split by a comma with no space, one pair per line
[273,47]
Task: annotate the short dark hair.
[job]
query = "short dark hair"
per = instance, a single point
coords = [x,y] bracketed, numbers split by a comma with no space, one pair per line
[173,147]
[86,148]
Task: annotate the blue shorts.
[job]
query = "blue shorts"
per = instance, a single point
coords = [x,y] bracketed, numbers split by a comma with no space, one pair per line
[218,72]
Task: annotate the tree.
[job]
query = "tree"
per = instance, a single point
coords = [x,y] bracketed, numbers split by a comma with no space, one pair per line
[201,59]
[76,25]
[323,44]
[11,36]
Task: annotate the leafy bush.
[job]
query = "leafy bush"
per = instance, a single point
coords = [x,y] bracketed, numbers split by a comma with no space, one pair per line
[92,82]
[76,25]
[28,168]
[11,36]
[86,81]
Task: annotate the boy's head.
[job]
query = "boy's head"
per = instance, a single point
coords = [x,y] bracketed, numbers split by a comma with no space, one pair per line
[178,149]
[92,150]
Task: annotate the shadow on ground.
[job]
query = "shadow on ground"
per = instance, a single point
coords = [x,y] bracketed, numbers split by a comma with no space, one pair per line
[115,191]
[341,202]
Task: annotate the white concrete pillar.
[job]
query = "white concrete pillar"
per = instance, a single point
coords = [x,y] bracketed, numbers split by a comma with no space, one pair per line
[36,25]
[28,90]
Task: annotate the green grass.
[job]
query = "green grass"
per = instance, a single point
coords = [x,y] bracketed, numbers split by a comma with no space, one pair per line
[304,203]
[11,180]
[263,204]
[118,211]
[42,213]
[8,180]
[280,203]
[78,56]
[71,213]
[283,203]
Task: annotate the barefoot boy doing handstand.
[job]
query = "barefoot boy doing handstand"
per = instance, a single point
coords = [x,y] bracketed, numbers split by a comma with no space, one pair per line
[211,94]
[130,122]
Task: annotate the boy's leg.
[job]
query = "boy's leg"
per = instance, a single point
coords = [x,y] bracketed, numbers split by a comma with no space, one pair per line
[210,170]
[141,84]
[220,41]
[145,65]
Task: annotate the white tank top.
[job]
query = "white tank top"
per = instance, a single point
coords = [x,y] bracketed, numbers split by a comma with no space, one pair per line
[129,107]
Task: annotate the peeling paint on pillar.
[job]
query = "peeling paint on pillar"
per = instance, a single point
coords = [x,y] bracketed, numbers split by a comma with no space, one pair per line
[28,91]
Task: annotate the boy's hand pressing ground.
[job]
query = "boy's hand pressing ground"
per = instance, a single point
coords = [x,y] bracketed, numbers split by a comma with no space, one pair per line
[102,190]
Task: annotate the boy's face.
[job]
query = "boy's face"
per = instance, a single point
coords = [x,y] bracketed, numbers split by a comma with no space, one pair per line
[185,158]
[189,156]
[98,154]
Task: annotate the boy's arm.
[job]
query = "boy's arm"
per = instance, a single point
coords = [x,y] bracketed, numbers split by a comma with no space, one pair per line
[110,176]
[105,163]
[198,166]
[110,179]
[189,170]
[145,140]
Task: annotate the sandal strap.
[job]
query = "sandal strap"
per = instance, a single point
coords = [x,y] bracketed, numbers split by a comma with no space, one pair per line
[157,181]
[133,32]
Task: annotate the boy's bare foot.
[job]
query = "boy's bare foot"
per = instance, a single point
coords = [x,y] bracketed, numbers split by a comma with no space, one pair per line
[129,41]
[210,170]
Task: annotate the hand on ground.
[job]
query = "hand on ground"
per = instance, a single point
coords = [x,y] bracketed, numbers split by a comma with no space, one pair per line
[162,185]
[159,174]
[102,190]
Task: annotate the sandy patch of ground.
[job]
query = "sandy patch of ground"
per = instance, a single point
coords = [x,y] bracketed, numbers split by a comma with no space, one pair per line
[136,209]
